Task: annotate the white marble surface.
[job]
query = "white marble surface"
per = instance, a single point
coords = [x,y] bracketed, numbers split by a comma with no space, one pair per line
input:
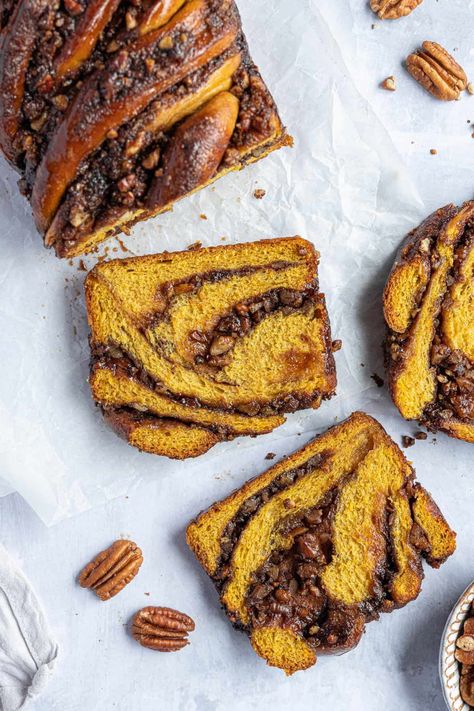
[395,665]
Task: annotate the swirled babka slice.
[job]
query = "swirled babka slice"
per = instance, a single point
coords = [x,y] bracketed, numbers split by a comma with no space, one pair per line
[312,549]
[429,311]
[114,109]
[191,348]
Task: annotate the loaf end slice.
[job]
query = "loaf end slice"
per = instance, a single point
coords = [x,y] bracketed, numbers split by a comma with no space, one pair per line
[429,312]
[113,111]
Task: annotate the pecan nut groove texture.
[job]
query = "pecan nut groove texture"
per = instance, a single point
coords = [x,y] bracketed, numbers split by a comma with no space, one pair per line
[162,628]
[437,72]
[112,569]
[393,9]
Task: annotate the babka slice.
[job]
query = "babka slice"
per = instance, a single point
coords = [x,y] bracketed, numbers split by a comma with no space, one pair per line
[114,109]
[312,549]
[429,311]
[191,348]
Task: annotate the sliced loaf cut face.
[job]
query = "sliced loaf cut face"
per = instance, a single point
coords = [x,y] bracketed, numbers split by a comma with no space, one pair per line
[112,110]
[429,311]
[222,341]
[321,543]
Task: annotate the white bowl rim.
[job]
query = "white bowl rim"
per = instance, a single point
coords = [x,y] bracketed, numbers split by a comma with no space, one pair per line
[448,665]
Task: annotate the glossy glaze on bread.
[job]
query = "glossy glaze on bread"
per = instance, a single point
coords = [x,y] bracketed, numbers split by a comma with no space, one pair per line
[113,110]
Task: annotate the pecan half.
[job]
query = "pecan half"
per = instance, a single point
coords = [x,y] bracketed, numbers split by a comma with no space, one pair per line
[112,569]
[162,628]
[435,69]
[393,9]
[465,642]
[464,657]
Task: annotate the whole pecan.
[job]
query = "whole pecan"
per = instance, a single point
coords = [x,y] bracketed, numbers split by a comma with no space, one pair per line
[435,69]
[112,569]
[393,9]
[162,628]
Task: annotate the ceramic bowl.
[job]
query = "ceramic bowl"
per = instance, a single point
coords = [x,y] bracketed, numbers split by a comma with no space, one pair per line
[448,666]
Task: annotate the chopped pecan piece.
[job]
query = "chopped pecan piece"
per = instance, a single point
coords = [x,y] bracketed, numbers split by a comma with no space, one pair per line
[162,628]
[436,70]
[389,84]
[73,7]
[112,569]
[393,9]
[465,642]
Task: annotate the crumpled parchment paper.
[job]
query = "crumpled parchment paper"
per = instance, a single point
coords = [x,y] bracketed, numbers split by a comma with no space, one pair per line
[344,186]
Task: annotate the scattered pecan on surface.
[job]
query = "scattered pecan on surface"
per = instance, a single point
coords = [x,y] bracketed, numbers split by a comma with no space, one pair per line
[389,84]
[393,9]
[162,628]
[112,569]
[435,69]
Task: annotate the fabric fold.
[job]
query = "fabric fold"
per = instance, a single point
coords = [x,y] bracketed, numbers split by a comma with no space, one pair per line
[28,650]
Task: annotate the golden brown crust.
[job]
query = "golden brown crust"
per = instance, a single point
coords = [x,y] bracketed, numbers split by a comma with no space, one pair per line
[196,150]
[192,348]
[103,104]
[430,320]
[285,557]
[15,55]
[162,436]
[78,136]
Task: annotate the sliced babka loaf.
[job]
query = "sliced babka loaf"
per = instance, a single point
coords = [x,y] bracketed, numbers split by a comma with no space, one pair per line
[429,311]
[114,109]
[308,552]
[190,348]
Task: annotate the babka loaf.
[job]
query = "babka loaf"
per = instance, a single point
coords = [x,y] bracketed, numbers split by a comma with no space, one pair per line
[308,552]
[429,311]
[191,348]
[114,109]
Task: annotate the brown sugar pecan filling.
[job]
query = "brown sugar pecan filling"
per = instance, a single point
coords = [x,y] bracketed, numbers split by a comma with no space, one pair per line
[428,307]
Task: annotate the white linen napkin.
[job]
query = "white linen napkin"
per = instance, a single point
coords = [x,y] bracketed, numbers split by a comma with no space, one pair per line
[28,651]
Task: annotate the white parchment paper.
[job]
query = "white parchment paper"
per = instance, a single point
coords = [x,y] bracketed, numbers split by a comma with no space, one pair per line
[344,186]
